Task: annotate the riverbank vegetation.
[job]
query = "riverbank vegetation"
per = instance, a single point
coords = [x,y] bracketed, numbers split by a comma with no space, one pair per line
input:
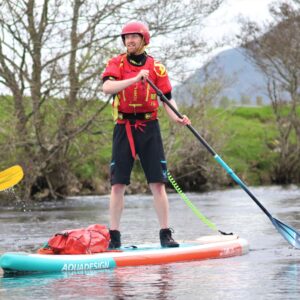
[245,137]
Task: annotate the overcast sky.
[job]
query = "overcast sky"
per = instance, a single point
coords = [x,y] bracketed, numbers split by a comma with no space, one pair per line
[225,21]
[224,24]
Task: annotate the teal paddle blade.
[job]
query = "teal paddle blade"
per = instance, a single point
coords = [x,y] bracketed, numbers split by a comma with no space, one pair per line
[288,232]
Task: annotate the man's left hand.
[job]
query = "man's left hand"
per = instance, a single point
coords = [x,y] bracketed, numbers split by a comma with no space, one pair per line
[184,121]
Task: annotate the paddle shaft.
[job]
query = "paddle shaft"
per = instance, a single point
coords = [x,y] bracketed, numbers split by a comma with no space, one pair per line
[210,150]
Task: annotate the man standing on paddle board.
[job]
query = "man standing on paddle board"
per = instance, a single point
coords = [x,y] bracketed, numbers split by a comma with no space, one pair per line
[137,129]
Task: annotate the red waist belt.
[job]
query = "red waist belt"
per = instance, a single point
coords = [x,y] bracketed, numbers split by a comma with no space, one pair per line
[138,121]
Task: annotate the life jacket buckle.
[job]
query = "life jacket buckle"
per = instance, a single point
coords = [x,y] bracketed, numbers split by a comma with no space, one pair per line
[148,116]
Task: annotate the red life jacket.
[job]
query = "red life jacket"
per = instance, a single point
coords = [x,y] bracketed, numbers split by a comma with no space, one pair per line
[139,97]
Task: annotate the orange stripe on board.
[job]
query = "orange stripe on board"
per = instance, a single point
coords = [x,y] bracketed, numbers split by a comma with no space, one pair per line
[184,254]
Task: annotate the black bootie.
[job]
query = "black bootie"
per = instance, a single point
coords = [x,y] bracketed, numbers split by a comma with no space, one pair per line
[115,239]
[166,239]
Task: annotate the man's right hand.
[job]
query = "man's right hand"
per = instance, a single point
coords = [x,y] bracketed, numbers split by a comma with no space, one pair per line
[143,75]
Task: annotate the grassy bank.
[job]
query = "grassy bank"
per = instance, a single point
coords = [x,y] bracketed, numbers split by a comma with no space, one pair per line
[251,142]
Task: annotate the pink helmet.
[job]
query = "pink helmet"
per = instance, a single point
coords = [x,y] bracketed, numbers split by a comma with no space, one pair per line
[136,27]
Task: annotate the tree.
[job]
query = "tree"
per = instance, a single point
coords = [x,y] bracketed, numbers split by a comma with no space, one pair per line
[225,102]
[52,53]
[259,101]
[275,50]
[245,100]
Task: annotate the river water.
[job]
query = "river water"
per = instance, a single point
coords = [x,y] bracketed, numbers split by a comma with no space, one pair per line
[271,270]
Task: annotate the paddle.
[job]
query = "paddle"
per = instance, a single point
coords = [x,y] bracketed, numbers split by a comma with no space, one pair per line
[288,232]
[10,177]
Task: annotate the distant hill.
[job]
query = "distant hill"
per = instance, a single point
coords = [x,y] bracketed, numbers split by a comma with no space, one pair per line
[244,82]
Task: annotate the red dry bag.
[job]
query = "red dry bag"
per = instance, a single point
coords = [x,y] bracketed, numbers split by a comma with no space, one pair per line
[93,239]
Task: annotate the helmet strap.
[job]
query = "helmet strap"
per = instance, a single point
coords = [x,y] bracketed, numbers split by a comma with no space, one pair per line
[142,47]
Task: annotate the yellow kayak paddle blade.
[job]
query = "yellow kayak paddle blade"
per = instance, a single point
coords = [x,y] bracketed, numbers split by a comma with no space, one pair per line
[10,177]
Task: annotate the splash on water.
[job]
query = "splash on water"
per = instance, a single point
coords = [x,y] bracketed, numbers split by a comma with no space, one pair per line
[11,195]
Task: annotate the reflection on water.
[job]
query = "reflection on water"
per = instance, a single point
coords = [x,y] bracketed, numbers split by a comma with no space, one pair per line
[270,270]
[116,284]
